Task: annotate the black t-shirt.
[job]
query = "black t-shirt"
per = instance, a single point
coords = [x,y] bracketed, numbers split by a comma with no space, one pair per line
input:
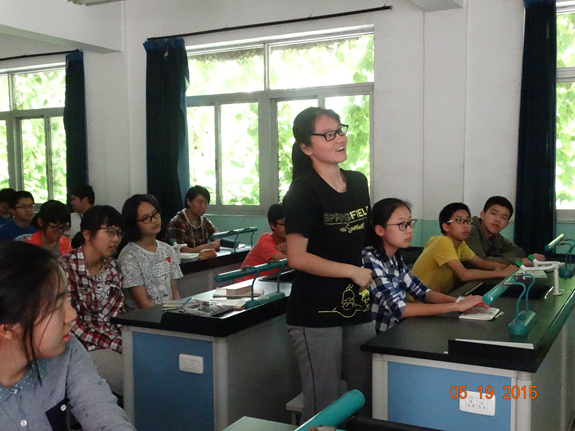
[335,225]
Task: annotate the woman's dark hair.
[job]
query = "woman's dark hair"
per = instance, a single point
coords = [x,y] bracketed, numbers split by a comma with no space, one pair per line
[380,214]
[195,191]
[52,212]
[303,128]
[98,216]
[130,214]
[29,279]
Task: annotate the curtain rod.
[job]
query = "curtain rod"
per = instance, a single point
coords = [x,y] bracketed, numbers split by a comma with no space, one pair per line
[267,24]
[36,55]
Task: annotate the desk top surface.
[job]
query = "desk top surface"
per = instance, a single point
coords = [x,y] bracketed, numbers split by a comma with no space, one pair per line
[442,337]
[225,257]
[216,326]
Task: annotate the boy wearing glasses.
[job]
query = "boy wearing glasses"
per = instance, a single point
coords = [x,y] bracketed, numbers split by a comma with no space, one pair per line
[22,209]
[271,246]
[486,240]
[440,263]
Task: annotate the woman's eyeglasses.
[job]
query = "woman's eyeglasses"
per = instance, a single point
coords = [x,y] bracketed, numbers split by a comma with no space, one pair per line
[460,220]
[112,232]
[330,136]
[59,227]
[148,219]
[404,225]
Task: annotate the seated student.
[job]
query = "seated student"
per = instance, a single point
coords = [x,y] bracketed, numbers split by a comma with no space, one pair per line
[271,246]
[189,226]
[150,267]
[82,198]
[391,230]
[42,365]
[486,240]
[53,221]
[95,283]
[5,196]
[439,265]
[22,209]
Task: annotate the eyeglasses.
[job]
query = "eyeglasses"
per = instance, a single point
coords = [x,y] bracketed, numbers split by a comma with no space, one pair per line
[460,220]
[404,225]
[148,219]
[25,207]
[330,136]
[113,232]
[59,227]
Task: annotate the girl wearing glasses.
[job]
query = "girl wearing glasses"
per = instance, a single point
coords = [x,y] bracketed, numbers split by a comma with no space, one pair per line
[43,368]
[150,267]
[95,284]
[391,230]
[326,210]
[52,222]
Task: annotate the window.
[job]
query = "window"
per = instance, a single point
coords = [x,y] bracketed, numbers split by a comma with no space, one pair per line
[32,136]
[242,102]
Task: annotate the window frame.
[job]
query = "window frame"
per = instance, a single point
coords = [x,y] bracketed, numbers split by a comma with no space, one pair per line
[267,100]
[14,117]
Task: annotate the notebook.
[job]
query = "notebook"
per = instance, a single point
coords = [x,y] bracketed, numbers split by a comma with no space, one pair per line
[479,313]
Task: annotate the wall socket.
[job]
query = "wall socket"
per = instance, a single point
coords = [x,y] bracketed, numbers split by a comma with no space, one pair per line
[478,405]
[191,364]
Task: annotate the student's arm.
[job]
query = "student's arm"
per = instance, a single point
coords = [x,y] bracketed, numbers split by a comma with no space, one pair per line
[300,259]
[141,297]
[438,303]
[92,400]
[278,256]
[465,274]
[174,287]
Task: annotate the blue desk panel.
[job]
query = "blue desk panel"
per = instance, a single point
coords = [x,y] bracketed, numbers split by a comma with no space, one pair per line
[156,366]
[419,395]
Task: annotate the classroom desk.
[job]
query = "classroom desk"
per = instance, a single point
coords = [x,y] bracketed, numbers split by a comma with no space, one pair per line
[199,274]
[416,364]
[249,367]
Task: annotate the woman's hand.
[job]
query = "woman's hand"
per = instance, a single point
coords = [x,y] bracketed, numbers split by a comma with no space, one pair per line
[361,277]
[469,302]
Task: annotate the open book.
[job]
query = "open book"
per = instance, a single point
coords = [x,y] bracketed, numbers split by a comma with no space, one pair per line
[479,313]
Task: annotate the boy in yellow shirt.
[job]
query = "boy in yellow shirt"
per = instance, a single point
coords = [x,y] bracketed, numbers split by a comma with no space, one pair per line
[440,262]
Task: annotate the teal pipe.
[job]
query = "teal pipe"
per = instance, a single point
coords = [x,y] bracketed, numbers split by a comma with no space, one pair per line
[336,412]
[494,293]
[249,270]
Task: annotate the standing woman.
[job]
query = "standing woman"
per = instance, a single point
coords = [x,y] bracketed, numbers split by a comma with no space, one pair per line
[42,366]
[95,284]
[326,213]
[150,267]
[53,223]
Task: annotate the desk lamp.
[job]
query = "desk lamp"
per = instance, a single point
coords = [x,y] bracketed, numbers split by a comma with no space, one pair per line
[249,270]
[336,412]
[236,233]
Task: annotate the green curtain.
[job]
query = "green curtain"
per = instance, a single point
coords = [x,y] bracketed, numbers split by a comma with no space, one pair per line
[535,205]
[75,122]
[167,78]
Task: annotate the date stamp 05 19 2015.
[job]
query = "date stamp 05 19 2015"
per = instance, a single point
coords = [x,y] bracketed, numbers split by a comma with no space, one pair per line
[514,392]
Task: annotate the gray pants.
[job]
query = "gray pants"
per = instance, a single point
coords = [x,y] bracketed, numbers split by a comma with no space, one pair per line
[325,355]
[110,366]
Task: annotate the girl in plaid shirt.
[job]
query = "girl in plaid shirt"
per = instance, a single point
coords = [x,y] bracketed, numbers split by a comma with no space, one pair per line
[392,229]
[95,283]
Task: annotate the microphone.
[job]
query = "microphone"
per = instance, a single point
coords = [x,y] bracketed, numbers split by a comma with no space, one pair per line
[555,242]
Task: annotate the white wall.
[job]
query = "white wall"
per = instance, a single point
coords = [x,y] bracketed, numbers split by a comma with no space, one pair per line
[446,91]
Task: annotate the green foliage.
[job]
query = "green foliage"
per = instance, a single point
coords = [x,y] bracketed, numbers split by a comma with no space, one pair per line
[565,162]
[330,62]
[4,178]
[36,90]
